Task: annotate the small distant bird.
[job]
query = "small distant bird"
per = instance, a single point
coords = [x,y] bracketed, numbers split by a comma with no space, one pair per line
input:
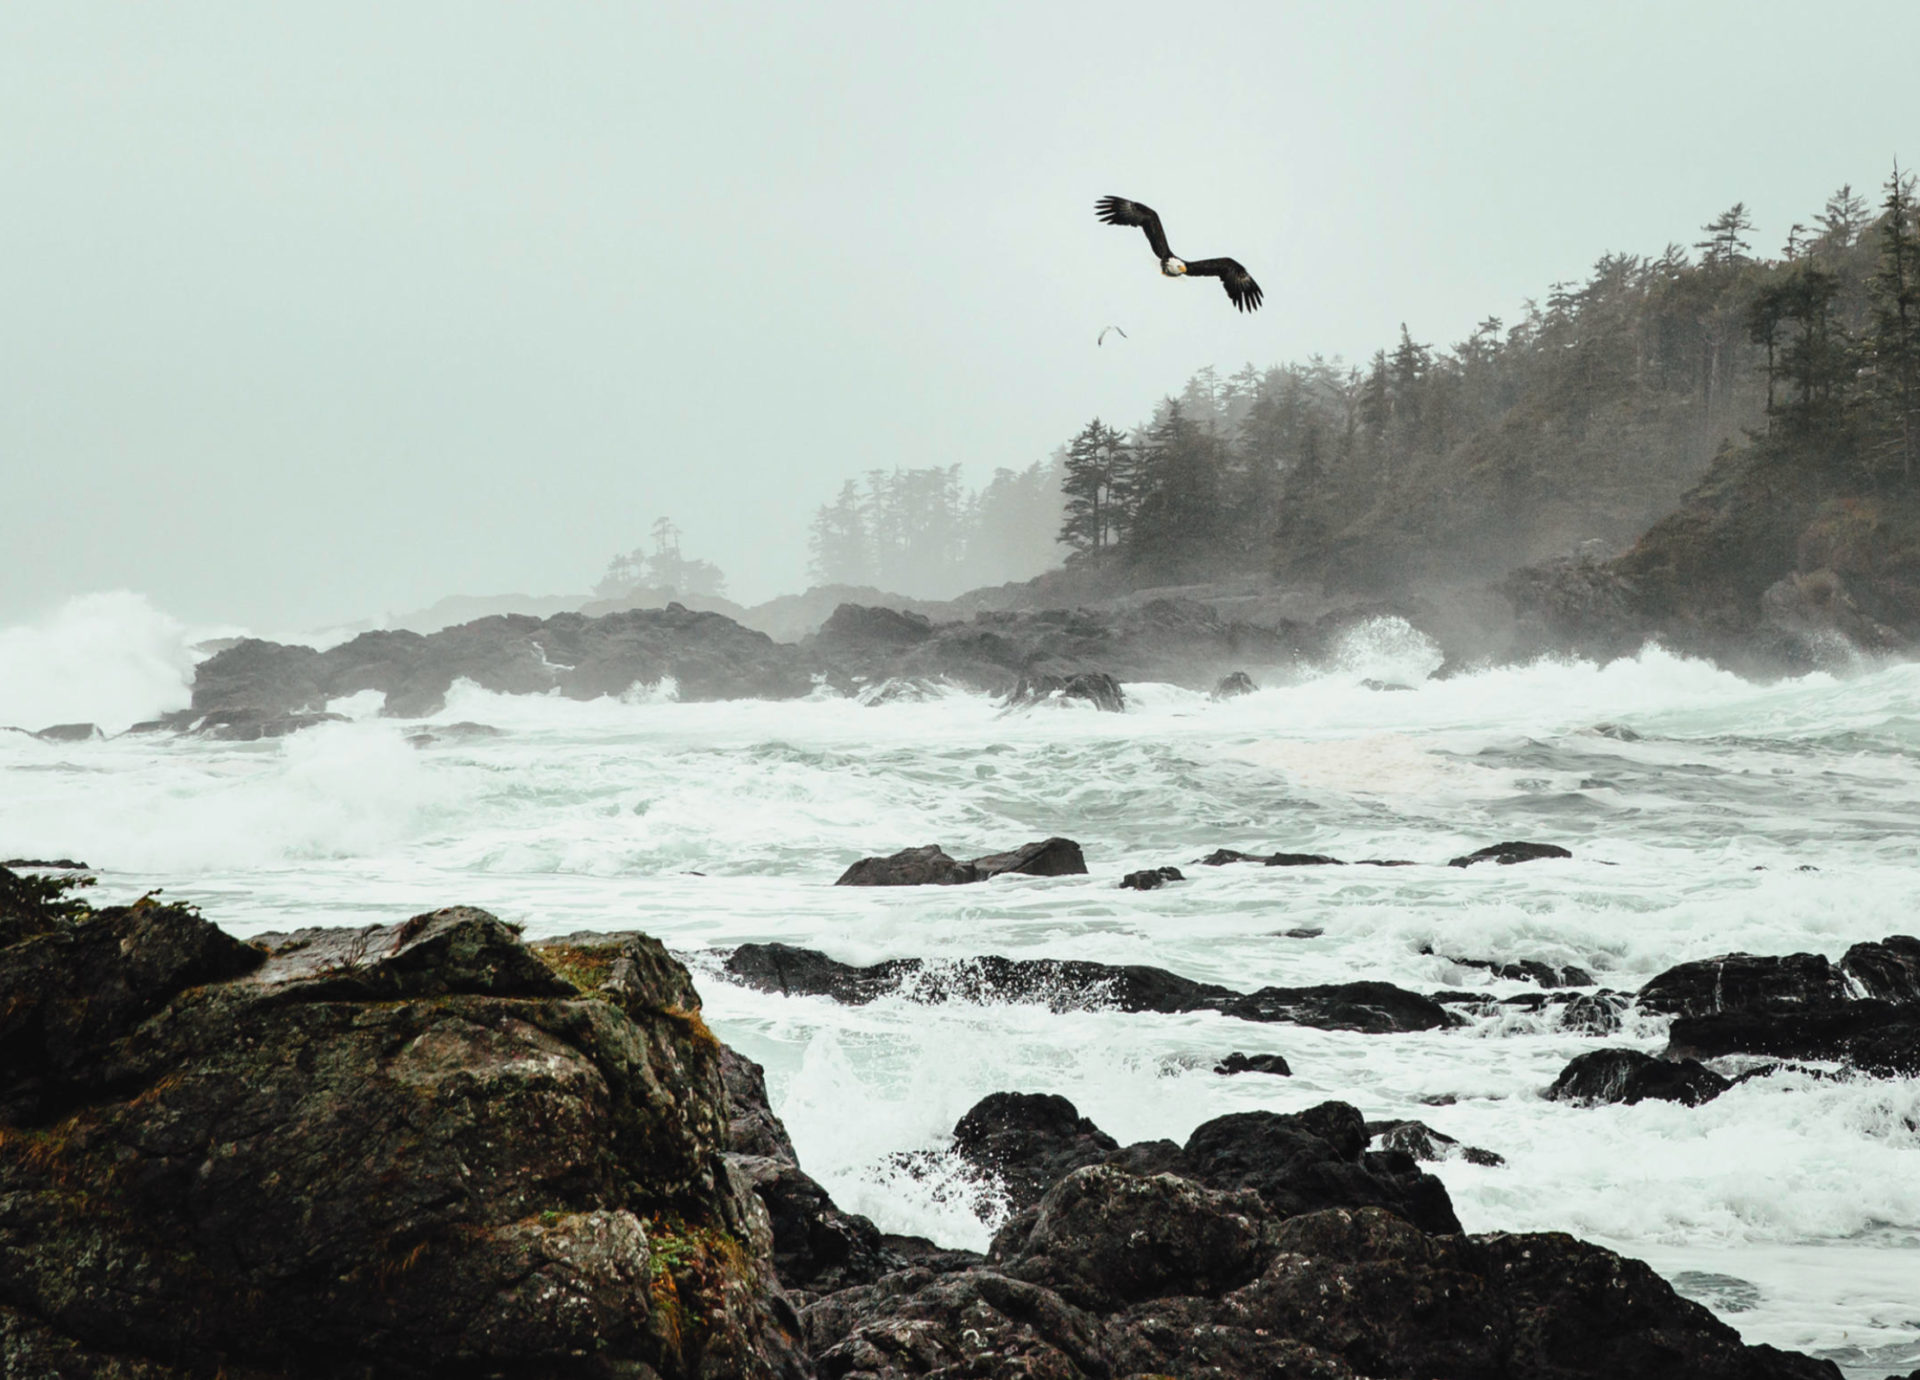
[1116,210]
[1103,335]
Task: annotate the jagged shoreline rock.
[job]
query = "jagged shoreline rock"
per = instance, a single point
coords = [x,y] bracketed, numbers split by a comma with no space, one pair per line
[432,1148]
[1080,984]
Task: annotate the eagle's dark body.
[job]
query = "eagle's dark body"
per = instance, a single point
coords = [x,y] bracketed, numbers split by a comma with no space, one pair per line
[1116,210]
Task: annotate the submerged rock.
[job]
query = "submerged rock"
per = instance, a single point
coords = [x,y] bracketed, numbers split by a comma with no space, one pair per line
[1509,853]
[1075,984]
[1237,1062]
[1630,1076]
[1097,688]
[930,865]
[925,866]
[1426,1145]
[1151,879]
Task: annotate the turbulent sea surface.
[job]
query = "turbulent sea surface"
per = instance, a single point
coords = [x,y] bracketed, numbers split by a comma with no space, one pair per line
[1727,816]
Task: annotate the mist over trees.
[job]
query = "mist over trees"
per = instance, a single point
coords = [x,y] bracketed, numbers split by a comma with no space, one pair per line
[1575,427]
[662,568]
[1583,421]
[921,531]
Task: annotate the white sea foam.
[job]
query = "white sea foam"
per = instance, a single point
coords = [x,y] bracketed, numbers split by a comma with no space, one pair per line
[1690,816]
[109,659]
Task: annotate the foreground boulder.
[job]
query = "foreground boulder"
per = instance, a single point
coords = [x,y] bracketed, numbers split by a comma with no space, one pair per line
[1115,1274]
[406,1150]
[1295,1162]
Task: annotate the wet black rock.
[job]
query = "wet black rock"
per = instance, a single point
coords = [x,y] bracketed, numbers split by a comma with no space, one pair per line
[1151,879]
[924,866]
[1525,970]
[1875,1036]
[69,733]
[856,627]
[410,1150]
[1097,688]
[1595,1013]
[1233,685]
[931,866]
[1054,857]
[1426,1145]
[1074,984]
[1371,1007]
[1734,981]
[1028,1142]
[50,864]
[1315,1159]
[1114,1275]
[1888,969]
[752,1126]
[1514,852]
[1237,1062]
[1630,1076]
[1222,856]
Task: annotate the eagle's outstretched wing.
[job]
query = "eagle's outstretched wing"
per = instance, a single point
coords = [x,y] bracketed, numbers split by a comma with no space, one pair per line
[1117,210]
[1237,281]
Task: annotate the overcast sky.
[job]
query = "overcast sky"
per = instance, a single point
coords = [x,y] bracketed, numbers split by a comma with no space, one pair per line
[310,312]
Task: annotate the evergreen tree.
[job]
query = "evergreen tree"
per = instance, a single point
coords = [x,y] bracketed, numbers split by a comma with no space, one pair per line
[1726,246]
[1895,332]
[1095,485]
[837,543]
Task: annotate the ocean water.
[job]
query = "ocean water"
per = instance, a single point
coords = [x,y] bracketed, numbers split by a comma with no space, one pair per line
[1706,814]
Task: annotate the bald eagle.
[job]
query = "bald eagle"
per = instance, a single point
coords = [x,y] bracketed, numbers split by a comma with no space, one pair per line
[1117,210]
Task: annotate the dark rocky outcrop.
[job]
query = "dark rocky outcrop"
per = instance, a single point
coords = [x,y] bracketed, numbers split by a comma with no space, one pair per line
[1863,1011]
[1888,969]
[1237,1062]
[430,1149]
[1630,1076]
[1515,852]
[925,866]
[69,733]
[409,1150]
[1734,981]
[1054,857]
[1073,984]
[707,656]
[1096,688]
[1371,1007]
[1222,856]
[1122,1275]
[930,865]
[1151,879]
[1525,970]
[1878,1037]
[1234,685]
[1065,984]
[1299,1162]
[1028,1142]
[1426,1145]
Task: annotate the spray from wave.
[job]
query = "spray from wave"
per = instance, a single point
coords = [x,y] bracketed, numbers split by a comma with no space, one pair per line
[110,658]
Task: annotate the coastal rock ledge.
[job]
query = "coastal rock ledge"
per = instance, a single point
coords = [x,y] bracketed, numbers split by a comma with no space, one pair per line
[434,1149]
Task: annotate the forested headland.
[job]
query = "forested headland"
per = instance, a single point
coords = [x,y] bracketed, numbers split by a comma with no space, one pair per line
[1657,383]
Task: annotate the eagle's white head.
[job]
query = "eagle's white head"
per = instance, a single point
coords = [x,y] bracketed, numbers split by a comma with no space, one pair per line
[1173,268]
